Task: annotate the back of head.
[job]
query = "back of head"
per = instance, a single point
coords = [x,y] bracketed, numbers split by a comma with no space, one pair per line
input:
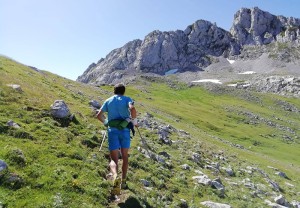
[119,89]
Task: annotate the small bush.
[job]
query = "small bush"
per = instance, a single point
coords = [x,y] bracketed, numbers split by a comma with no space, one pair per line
[3,128]
[20,133]
[16,157]
[76,156]
[89,143]
[12,181]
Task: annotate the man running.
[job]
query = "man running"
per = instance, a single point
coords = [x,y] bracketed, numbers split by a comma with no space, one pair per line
[121,115]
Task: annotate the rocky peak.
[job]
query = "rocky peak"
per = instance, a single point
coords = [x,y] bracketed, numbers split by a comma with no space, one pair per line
[257,27]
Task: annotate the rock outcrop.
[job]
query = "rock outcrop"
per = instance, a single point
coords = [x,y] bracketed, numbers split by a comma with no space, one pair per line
[257,27]
[287,85]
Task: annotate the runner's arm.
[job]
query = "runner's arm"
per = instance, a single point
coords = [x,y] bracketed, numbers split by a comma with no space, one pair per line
[132,110]
[133,113]
[101,116]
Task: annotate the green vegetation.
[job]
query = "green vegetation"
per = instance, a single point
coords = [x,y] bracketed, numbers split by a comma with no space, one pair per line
[57,163]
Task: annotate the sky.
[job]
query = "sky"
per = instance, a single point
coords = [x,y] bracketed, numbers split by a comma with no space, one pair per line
[66,36]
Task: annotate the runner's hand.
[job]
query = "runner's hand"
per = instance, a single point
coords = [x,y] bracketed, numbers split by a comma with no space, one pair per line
[134,121]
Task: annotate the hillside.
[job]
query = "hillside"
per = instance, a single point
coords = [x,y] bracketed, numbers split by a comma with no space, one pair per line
[204,143]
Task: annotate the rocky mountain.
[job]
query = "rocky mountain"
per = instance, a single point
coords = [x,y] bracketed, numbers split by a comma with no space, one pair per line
[197,47]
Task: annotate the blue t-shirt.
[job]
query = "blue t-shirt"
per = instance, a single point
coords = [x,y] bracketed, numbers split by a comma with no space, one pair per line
[117,107]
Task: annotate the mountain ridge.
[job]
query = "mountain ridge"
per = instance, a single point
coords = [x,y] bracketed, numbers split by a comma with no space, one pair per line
[194,48]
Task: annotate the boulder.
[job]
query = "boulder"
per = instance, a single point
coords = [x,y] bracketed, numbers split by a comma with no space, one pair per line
[280,200]
[59,109]
[214,204]
[229,171]
[217,184]
[95,104]
[11,123]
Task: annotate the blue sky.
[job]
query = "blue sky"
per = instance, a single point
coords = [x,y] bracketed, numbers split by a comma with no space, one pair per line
[65,36]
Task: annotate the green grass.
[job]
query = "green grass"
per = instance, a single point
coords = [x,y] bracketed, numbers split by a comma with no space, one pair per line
[63,167]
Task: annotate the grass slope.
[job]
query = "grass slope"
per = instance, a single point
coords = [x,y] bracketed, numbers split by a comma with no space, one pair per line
[63,167]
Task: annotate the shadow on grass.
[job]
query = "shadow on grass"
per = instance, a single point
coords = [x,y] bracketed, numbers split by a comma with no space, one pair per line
[65,122]
[133,202]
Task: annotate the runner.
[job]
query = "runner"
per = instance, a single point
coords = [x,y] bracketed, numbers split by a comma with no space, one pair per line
[121,117]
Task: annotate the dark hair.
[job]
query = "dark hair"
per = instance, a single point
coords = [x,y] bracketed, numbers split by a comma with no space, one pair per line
[119,89]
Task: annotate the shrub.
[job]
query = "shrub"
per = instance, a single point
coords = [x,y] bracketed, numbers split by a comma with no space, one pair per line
[89,143]
[16,157]
[20,133]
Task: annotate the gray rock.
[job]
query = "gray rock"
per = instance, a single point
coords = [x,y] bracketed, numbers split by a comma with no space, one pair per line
[145,182]
[273,205]
[163,134]
[196,157]
[229,171]
[202,180]
[285,85]
[95,104]
[15,87]
[219,186]
[214,204]
[183,204]
[152,155]
[3,166]
[13,124]
[185,167]
[165,154]
[280,200]
[281,174]
[59,109]
[295,204]
[216,183]
[274,185]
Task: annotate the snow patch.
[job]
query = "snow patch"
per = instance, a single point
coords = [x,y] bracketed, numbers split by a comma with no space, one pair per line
[209,80]
[248,72]
[172,71]
[230,61]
